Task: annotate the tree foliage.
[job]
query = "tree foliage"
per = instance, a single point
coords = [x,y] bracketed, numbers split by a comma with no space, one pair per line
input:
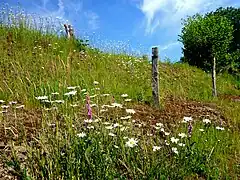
[216,34]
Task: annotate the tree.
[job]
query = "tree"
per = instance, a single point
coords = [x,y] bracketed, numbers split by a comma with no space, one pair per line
[205,37]
[206,42]
[232,14]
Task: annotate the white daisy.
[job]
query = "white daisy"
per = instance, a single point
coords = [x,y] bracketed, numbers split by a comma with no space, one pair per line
[131,143]
[130,111]
[182,135]
[124,95]
[156,148]
[81,135]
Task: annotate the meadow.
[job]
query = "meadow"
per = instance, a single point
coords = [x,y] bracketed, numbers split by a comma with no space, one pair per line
[69,111]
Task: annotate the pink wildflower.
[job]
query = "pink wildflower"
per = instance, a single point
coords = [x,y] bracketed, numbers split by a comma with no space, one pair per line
[89,107]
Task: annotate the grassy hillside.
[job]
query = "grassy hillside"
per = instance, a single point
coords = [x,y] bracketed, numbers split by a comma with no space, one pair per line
[53,139]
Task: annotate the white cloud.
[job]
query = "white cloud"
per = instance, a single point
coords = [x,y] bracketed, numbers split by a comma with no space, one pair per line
[61,9]
[168,13]
[168,46]
[93,20]
[72,11]
[45,3]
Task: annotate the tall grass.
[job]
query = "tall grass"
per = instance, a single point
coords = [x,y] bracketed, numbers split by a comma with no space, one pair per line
[37,62]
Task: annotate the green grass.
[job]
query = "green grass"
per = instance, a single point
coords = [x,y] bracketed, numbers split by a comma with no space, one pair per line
[38,64]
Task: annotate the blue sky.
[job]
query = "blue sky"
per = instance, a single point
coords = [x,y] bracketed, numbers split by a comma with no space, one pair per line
[139,24]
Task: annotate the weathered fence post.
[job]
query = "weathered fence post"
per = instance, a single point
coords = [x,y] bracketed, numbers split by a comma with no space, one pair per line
[155,88]
[214,86]
[69,31]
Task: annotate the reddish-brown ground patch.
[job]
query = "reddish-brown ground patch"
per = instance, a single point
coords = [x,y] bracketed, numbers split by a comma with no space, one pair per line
[175,109]
[234,98]
[22,122]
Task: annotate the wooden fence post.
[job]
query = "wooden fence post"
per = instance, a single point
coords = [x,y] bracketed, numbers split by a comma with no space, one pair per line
[69,31]
[155,88]
[214,86]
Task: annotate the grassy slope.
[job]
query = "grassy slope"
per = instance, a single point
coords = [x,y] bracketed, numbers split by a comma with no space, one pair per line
[35,68]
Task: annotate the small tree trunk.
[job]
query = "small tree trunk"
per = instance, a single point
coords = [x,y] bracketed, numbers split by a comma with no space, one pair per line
[155,89]
[214,86]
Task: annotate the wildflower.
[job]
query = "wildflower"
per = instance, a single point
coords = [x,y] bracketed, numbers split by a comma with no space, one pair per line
[81,135]
[130,111]
[162,130]
[19,107]
[201,130]
[55,93]
[93,105]
[124,95]
[41,97]
[156,148]
[73,105]
[12,102]
[131,143]
[70,93]
[187,119]
[59,101]
[166,142]
[88,120]
[2,101]
[115,146]
[95,83]
[103,110]
[90,127]
[220,128]
[72,87]
[105,95]
[109,127]
[166,133]
[125,118]
[117,105]
[89,107]
[174,149]
[116,125]
[149,134]
[47,101]
[106,123]
[123,128]
[97,120]
[111,134]
[182,135]
[206,121]
[51,125]
[174,140]
[159,124]
[190,127]
[97,89]
[5,107]
[181,144]
[93,96]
